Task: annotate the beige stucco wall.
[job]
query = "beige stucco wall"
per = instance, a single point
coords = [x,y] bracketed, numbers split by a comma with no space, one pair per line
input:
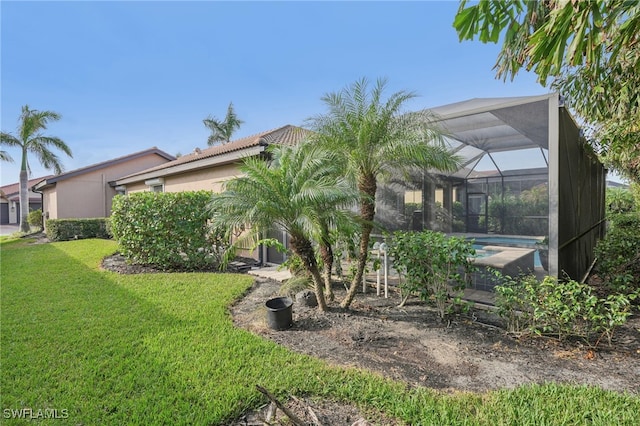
[205,179]
[136,187]
[50,204]
[89,194]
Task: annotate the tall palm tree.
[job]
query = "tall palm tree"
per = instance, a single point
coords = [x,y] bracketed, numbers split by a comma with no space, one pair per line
[290,192]
[30,140]
[221,131]
[374,137]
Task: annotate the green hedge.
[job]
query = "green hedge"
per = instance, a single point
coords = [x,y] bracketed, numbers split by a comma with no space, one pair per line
[169,231]
[618,253]
[77,229]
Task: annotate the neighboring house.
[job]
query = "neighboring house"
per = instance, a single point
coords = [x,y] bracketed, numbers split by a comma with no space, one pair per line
[88,191]
[10,201]
[209,168]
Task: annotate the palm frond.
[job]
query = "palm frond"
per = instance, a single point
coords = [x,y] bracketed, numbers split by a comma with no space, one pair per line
[7,139]
[222,131]
[4,156]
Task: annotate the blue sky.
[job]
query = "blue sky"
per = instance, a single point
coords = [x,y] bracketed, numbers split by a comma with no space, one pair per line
[126,76]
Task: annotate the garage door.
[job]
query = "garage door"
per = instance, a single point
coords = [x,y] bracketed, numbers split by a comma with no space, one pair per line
[4,213]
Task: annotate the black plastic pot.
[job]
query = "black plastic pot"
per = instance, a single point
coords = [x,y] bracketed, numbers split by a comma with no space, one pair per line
[279,313]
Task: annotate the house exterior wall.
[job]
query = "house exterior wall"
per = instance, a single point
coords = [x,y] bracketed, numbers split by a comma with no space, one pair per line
[205,179]
[83,196]
[210,179]
[89,194]
[136,187]
[50,204]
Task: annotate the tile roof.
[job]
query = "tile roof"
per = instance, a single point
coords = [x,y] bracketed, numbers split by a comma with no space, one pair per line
[102,165]
[14,188]
[285,135]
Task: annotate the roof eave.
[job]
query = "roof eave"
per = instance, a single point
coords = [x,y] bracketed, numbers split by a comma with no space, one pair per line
[193,165]
[43,184]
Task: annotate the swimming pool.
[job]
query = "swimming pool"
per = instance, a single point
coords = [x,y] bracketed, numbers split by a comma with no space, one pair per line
[480,242]
[505,241]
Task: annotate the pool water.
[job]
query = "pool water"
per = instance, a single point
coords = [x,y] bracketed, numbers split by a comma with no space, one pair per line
[479,243]
[506,241]
[480,252]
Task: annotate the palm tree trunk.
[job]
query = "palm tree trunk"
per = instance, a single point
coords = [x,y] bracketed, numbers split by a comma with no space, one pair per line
[24,197]
[303,248]
[326,253]
[367,187]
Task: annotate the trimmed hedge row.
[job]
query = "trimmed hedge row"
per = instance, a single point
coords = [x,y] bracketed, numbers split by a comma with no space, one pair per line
[169,231]
[77,229]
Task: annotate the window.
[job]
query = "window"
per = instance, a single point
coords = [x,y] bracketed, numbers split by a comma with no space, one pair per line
[155,185]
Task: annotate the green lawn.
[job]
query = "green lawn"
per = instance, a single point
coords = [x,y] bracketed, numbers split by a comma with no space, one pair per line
[161,349]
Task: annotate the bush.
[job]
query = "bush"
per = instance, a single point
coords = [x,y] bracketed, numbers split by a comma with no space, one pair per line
[431,263]
[34,219]
[512,300]
[618,253]
[77,229]
[560,308]
[296,284]
[169,231]
[619,200]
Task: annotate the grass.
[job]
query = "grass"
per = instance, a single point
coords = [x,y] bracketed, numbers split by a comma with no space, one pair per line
[161,349]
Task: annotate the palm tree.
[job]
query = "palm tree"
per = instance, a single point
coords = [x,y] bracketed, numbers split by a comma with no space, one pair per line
[30,140]
[289,192]
[221,131]
[374,138]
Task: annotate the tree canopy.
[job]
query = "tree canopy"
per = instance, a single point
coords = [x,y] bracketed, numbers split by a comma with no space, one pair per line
[373,137]
[299,191]
[221,131]
[588,48]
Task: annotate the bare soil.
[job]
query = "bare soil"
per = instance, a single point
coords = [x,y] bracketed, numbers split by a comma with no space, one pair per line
[469,353]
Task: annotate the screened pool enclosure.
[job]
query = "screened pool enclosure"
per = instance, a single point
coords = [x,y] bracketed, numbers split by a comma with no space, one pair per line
[526,171]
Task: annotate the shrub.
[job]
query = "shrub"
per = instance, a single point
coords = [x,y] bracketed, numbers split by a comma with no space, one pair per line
[432,264]
[512,301]
[77,229]
[560,308]
[619,200]
[169,231]
[34,218]
[618,253]
[296,284]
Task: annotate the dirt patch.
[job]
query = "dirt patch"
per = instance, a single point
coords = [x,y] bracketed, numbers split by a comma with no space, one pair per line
[314,411]
[469,353]
[118,263]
